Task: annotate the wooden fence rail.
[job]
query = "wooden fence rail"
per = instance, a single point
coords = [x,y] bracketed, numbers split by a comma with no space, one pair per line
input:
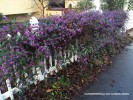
[40,76]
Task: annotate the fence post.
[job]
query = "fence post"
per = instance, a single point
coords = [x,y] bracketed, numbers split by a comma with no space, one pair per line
[9,89]
[1,97]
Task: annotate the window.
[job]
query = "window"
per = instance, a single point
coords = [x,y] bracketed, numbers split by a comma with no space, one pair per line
[56,3]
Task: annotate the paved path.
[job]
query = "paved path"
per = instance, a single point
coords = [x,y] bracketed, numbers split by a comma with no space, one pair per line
[116,79]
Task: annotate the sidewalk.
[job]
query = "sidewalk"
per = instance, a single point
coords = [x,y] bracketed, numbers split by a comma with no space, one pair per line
[116,79]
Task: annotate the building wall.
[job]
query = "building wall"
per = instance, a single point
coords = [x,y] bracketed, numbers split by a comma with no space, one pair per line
[9,7]
[28,8]
[73,2]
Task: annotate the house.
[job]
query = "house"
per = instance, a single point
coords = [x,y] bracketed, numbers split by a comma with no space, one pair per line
[28,8]
[60,6]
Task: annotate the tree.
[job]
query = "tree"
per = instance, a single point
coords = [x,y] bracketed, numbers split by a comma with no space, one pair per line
[130,5]
[113,4]
[85,4]
[41,6]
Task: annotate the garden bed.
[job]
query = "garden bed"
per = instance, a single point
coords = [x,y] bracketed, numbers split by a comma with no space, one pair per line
[69,81]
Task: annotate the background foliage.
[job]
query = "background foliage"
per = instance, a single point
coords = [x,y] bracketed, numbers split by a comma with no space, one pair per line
[85,4]
[116,4]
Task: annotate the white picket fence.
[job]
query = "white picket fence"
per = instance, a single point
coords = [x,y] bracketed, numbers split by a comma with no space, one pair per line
[13,90]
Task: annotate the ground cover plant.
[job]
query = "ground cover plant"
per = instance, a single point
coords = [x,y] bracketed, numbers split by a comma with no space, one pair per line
[68,83]
[84,34]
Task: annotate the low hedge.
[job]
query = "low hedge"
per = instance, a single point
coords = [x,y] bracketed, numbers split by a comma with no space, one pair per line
[82,33]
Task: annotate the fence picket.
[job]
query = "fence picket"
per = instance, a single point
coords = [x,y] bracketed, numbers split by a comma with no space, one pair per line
[45,68]
[48,68]
[50,61]
[9,89]
[60,61]
[72,57]
[18,79]
[76,57]
[55,61]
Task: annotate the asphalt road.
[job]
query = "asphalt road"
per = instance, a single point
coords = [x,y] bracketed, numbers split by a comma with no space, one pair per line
[116,83]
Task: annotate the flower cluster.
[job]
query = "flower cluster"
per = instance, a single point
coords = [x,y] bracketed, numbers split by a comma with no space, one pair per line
[21,48]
